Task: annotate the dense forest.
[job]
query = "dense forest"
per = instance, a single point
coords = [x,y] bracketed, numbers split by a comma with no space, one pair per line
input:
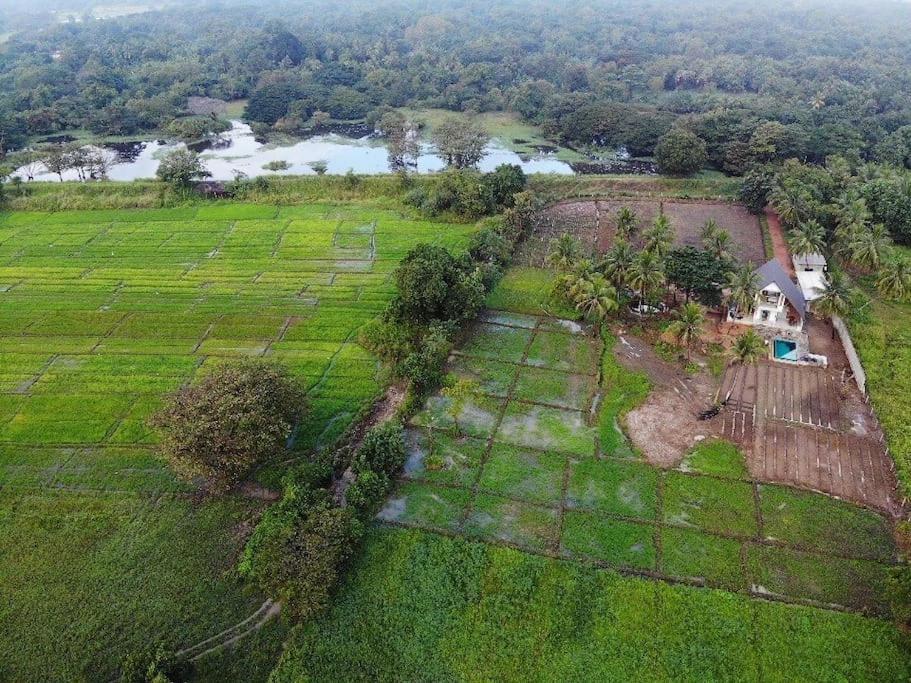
[753,81]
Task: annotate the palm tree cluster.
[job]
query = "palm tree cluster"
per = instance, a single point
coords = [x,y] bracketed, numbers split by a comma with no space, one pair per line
[625,272]
[853,238]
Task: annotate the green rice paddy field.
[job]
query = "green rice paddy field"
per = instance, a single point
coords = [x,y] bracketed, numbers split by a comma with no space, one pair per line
[102,313]
[526,536]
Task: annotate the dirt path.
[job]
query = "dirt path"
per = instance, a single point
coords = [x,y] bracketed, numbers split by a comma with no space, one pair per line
[231,635]
[779,242]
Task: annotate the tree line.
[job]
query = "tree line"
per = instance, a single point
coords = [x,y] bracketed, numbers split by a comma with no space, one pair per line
[754,82]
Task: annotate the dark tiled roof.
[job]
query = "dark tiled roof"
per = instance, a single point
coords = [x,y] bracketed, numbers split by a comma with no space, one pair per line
[772,272]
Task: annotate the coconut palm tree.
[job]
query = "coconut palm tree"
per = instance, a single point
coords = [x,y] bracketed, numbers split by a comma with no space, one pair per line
[709,228]
[617,263]
[647,273]
[626,223]
[596,298]
[835,299]
[719,244]
[687,326]
[659,237]
[792,206]
[851,211]
[894,279]
[748,348]
[870,247]
[807,238]
[566,284]
[743,285]
[564,252]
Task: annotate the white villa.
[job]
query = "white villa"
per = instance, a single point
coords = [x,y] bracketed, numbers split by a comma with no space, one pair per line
[780,303]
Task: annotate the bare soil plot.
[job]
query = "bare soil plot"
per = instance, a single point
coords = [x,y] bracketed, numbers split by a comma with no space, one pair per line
[746,233]
[799,426]
[665,426]
[594,223]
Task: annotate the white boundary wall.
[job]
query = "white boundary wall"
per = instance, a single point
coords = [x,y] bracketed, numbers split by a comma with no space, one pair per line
[853,359]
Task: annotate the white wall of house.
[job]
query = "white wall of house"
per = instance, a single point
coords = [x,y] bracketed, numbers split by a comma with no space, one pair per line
[770,310]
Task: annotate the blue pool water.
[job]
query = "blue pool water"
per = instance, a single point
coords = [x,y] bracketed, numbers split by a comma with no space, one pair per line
[785,350]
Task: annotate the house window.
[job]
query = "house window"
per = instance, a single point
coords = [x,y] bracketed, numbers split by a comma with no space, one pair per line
[765,315]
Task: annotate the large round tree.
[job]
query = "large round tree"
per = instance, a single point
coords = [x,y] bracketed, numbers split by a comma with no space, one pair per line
[680,152]
[236,417]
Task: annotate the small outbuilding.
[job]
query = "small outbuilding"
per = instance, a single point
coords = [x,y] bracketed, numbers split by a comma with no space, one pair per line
[811,274]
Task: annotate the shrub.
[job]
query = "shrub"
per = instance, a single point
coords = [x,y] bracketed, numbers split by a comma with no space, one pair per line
[367,491]
[154,664]
[424,366]
[898,589]
[434,286]
[383,450]
[297,552]
[235,418]
[488,245]
[180,167]
[504,183]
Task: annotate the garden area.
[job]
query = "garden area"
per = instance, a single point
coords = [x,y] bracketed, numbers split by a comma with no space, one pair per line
[521,462]
[104,313]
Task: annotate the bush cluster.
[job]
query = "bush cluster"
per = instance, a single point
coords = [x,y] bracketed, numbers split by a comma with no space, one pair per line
[300,547]
[466,193]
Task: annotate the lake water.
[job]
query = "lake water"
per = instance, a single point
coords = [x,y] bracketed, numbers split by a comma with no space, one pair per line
[238,151]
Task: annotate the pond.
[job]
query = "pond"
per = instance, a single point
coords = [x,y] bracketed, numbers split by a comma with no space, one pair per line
[238,151]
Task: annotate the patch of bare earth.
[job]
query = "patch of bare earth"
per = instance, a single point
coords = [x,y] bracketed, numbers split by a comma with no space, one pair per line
[666,426]
[594,223]
[810,428]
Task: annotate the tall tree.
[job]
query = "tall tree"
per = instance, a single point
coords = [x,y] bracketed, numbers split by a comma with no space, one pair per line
[626,223]
[870,247]
[687,326]
[460,142]
[660,236]
[894,279]
[748,348]
[617,263]
[836,297]
[647,274]
[596,298]
[564,251]
[807,238]
[743,285]
[680,152]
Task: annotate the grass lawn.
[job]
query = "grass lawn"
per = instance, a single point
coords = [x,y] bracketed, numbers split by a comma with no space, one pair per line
[882,335]
[102,313]
[418,606]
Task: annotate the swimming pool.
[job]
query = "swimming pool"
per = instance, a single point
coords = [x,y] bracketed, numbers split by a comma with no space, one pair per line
[785,349]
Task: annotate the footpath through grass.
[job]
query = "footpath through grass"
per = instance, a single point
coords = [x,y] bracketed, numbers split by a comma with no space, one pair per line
[498,555]
[102,313]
